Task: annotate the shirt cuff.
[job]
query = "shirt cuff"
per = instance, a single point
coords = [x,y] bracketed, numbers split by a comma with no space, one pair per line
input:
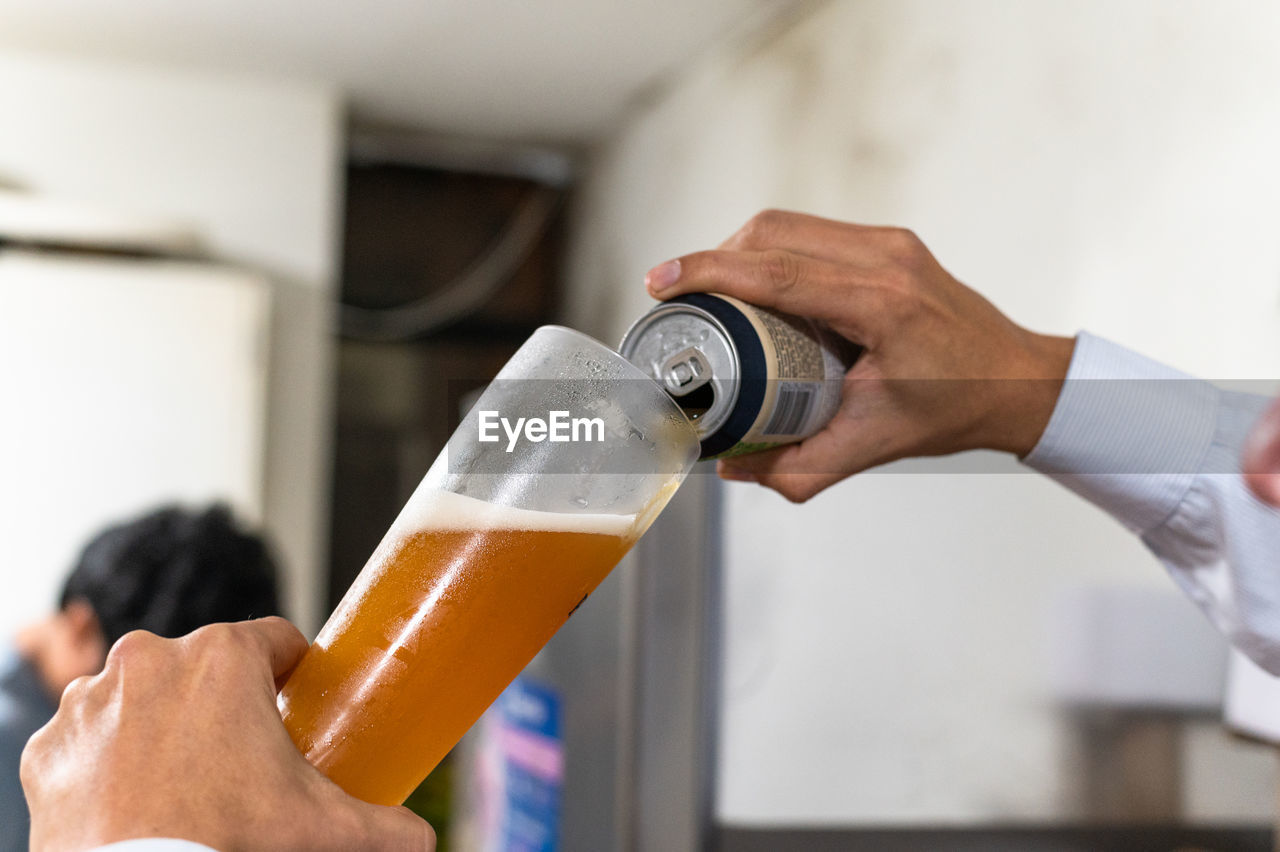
[1128,434]
[155,844]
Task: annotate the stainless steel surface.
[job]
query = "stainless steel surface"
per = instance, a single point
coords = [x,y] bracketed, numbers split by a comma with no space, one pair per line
[676,652]
[674,335]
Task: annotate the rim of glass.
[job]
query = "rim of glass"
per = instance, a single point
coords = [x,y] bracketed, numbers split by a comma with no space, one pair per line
[627,366]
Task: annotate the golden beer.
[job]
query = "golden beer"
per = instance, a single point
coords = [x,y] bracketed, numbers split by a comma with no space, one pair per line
[454,603]
[497,546]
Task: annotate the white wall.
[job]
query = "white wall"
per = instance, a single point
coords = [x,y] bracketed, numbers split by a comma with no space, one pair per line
[130,384]
[1087,165]
[254,165]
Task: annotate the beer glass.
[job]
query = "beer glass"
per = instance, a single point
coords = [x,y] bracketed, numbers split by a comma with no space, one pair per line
[498,545]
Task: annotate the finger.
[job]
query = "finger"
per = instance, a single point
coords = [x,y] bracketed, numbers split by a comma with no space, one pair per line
[747,468]
[783,470]
[394,829]
[282,645]
[783,280]
[823,239]
[1261,462]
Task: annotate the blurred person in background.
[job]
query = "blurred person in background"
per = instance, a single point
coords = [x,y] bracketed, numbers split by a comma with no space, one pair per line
[169,572]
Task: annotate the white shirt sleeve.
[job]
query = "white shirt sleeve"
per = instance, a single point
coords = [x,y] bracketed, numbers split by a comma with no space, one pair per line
[154,844]
[1160,451]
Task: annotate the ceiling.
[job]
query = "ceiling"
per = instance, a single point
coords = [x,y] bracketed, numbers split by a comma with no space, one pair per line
[557,70]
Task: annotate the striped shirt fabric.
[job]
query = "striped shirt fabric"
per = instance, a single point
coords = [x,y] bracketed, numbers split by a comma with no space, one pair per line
[1160,451]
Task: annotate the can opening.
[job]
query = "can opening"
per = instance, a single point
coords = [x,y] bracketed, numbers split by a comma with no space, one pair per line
[697,402]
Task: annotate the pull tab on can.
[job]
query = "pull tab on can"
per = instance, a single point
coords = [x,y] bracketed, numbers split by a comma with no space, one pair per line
[685,372]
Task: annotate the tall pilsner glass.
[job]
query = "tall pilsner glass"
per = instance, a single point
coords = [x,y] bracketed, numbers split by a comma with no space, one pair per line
[497,546]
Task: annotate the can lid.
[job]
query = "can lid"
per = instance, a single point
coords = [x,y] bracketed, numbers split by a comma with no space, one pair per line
[691,354]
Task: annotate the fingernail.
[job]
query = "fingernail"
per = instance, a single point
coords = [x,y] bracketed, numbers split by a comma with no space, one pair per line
[662,276]
[736,474]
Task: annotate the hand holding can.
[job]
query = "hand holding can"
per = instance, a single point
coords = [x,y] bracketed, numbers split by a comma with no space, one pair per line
[941,369]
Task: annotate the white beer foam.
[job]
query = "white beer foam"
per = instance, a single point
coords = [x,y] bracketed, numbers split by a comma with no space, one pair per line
[433,509]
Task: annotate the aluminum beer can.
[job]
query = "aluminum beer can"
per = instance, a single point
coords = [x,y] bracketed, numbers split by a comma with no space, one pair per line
[748,378]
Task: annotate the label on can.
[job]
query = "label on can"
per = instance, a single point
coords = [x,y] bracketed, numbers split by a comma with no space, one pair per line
[805,366]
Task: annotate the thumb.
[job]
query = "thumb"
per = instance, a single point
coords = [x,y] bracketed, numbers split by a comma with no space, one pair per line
[393,829]
[280,644]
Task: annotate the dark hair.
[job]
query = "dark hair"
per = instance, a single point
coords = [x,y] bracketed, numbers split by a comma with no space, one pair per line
[172,571]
